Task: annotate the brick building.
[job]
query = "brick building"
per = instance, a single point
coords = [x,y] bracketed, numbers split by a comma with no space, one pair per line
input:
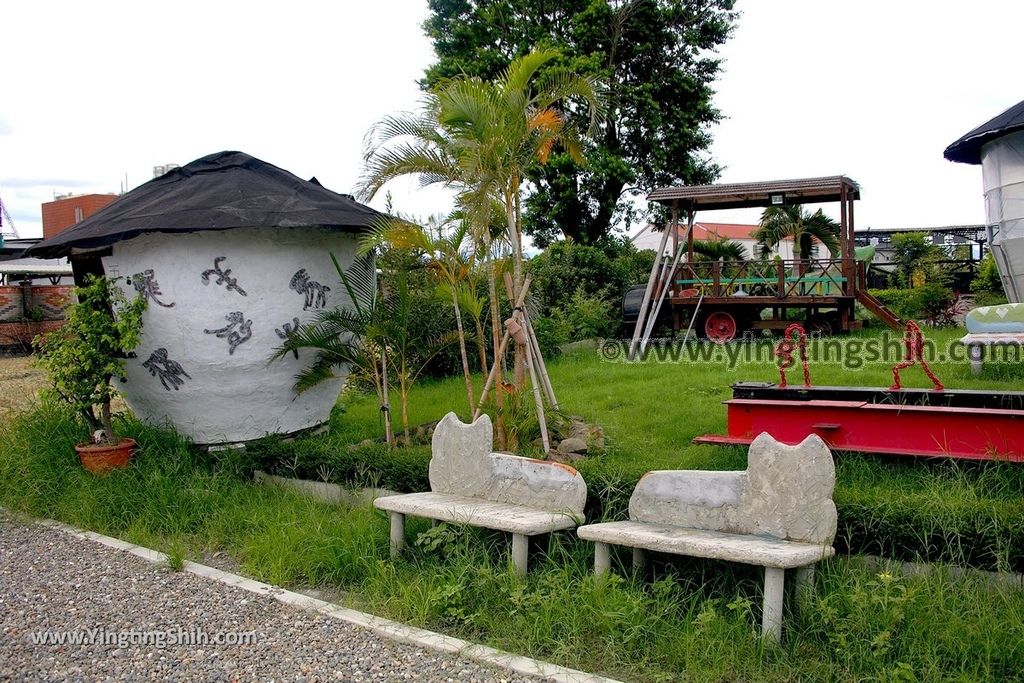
[65,211]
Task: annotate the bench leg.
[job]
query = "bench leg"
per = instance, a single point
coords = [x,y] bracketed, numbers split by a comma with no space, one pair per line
[639,559]
[602,559]
[520,548]
[977,355]
[397,533]
[435,523]
[774,589]
[804,584]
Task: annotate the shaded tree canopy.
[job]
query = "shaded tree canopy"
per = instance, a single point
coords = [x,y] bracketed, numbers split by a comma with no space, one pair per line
[656,57]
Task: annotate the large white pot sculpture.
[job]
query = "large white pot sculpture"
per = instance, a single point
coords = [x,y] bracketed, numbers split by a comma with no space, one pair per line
[222,300]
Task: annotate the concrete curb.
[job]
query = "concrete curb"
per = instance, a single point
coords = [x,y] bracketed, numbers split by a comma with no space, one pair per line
[325,492]
[392,630]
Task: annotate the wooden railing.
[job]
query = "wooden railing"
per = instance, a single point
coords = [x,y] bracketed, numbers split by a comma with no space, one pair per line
[771,278]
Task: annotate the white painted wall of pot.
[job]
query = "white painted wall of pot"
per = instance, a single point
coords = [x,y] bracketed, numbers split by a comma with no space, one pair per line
[228,397]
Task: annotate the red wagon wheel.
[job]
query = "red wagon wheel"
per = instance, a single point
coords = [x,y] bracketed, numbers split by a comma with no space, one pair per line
[720,327]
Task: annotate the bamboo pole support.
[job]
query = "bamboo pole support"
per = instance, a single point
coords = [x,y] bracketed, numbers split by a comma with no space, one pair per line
[499,354]
[542,367]
[520,315]
[666,285]
[538,358]
[541,418]
[642,316]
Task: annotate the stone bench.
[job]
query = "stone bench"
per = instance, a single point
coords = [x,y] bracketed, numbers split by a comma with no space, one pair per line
[778,514]
[471,485]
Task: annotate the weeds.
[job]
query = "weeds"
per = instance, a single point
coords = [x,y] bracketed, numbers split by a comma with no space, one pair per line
[682,620]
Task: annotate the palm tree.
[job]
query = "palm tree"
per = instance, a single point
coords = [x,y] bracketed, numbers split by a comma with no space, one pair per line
[480,138]
[501,128]
[369,335]
[444,244]
[721,249]
[418,144]
[779,222]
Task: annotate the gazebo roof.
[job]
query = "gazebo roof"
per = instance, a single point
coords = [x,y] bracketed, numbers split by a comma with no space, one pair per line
[221,191]
[967,149]
[744,195]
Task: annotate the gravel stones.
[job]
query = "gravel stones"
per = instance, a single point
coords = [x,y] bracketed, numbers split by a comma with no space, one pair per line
[51,581]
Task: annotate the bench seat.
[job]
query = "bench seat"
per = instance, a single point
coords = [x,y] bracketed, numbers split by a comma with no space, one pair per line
[762,551]
[446,507]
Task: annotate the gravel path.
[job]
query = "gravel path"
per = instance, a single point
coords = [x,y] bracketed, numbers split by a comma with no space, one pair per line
[52,581]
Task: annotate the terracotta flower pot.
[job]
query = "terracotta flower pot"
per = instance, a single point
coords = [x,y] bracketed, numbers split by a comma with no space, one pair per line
[516,330]
[101,458]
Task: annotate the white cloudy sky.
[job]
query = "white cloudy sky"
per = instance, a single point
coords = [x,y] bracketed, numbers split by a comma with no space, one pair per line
[94,92]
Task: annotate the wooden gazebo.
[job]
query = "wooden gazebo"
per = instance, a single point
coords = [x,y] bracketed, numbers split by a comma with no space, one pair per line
[722,299]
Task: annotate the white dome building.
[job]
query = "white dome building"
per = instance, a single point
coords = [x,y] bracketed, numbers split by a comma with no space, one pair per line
[998,145]
[232,253]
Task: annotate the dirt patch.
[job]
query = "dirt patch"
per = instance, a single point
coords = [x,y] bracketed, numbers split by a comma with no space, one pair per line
[19,383]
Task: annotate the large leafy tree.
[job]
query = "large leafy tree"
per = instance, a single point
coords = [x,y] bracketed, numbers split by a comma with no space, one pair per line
[656,57]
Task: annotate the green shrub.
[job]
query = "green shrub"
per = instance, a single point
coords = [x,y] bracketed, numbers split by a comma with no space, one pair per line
[589,316]
[987,280]
[989,299]
[322,458]
[899,301]
[605,272]
[930,301]
[933,300]
[552,331]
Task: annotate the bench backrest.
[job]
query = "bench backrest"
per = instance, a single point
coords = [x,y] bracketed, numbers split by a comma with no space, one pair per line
[785,492]
[462,464]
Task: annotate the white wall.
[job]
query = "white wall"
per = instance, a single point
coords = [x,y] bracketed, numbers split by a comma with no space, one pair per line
[228,396]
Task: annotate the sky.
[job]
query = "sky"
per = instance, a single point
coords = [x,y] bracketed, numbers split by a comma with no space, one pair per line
[96,94]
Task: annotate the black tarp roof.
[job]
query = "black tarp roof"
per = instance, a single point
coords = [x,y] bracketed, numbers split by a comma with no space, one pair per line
[967,149]
[217,192]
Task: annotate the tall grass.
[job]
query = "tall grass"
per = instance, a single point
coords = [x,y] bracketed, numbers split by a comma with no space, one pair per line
[903,508]
[681,620]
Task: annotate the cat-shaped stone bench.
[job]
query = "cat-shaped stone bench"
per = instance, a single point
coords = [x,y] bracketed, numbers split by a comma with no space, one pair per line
[778,514]
[471,485]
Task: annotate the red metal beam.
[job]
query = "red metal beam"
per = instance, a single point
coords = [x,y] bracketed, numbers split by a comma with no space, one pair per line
[934,431]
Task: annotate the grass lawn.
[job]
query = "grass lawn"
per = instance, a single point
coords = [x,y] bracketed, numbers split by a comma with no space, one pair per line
[685,620]
[907,508]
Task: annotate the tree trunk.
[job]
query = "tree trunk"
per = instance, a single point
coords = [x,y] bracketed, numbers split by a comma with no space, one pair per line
[385,407]
[108,425]
[512,213]
[403,388]
[481,346]
[499,395]
[90,419]
[462,349]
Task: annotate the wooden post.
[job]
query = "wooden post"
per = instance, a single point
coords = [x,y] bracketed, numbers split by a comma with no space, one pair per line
[691,215]
[844,239]
[853,251]
[666,286]
[641,319]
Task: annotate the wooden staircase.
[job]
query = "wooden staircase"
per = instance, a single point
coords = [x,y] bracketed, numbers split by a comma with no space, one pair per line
[879,309]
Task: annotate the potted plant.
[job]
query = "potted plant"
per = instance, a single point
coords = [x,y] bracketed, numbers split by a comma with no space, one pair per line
[85,354]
